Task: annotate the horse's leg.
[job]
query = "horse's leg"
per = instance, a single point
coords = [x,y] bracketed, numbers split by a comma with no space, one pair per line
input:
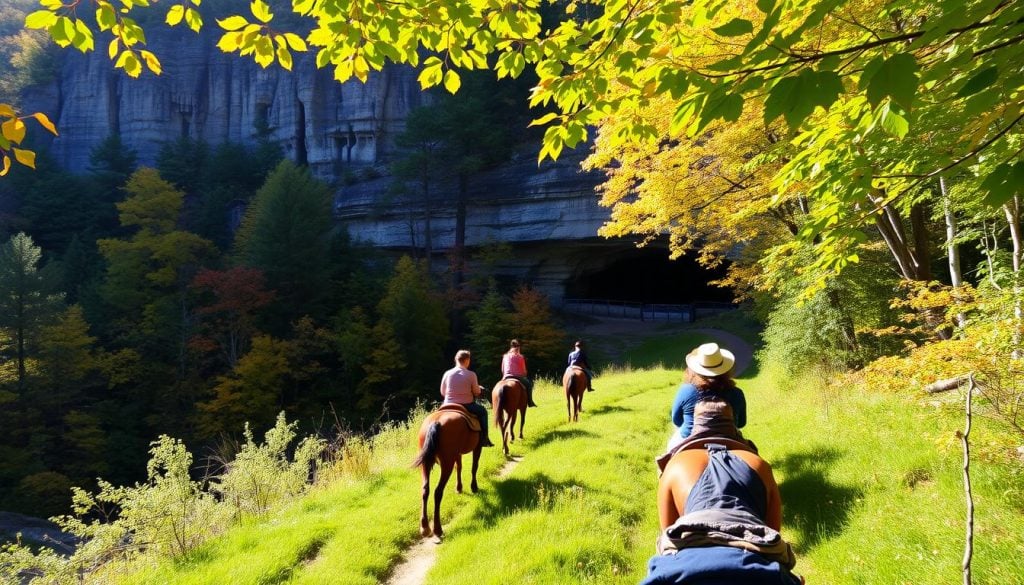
[446,472]
[568,404]
[458,473]
[522,421]
[424,522]
[512,426]
[476,465]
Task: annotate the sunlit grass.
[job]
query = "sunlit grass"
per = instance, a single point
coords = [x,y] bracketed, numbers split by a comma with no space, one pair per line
[871,488]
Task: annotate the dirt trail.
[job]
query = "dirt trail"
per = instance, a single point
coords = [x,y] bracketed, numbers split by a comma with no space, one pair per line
[420,557]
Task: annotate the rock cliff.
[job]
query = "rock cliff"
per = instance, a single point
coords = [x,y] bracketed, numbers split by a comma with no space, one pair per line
[209,95]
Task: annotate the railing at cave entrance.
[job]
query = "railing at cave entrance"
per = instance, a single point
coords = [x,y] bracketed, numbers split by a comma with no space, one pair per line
[680,313]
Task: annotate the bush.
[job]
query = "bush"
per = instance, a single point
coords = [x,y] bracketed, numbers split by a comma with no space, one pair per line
[262,475]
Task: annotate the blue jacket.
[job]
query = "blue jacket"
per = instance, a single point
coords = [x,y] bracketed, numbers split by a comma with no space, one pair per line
[579,358]
[686,400]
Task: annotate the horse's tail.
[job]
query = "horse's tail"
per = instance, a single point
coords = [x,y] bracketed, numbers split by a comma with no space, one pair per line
[430,444]
[499,412]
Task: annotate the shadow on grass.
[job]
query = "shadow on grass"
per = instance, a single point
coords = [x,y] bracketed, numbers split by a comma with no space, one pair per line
[607,408]
[561,435]
[811,503]
[527,493]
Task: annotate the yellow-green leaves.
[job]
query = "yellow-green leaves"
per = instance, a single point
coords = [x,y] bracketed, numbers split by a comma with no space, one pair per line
[265,44]
[13,131]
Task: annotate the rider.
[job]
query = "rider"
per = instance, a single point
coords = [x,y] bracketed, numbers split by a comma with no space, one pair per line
[720,513]
[578,358]
[459,386]
[513,365]
[708,379]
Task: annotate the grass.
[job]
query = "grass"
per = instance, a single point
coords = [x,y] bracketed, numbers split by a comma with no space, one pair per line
[870,482]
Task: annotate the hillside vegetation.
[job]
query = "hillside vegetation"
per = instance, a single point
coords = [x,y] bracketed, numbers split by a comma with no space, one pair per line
[870,482]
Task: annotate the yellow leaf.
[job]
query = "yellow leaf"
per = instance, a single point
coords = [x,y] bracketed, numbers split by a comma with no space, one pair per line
[44,120]
[6,167]
[361,68]
[194,19]
[261,11]
[13,130]
[7,111]
[295,41]
[25,157]
[113,47]
[40,19]
[152,62]
[175,14]
[230,42]
[452,82]
[232,22]
[284,57]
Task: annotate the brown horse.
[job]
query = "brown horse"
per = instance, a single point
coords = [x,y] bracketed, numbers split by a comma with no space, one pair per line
[574,381]
[508,397]
[444,437]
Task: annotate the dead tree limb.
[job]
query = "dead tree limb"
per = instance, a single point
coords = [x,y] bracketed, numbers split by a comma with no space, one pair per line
[969,544]
[947,384]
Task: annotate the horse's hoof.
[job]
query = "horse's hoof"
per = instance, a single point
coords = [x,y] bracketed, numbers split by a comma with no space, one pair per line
[474,487]
[458,489]
[425,531]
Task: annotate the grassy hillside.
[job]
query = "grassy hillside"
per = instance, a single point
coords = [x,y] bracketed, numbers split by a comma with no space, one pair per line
[870,482]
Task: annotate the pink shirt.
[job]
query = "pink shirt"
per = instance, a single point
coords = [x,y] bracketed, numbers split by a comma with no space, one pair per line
[513,364]
[459,385]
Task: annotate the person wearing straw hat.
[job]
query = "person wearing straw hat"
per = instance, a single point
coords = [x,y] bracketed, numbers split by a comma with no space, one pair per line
[708,383]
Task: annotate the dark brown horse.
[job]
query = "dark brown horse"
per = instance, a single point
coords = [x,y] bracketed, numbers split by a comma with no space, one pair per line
[444,437]
[508,398]
[574,381]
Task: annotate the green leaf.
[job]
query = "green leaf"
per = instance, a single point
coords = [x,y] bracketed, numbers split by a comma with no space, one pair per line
[734,28]
[895,77]
[795,97]
[194,19]
[1003,183]
[979,81]
[105,16]
[892,122]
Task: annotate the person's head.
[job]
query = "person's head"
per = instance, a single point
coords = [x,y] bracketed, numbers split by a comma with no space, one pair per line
[513,346]
[462,357]
[709,367]
[579,344]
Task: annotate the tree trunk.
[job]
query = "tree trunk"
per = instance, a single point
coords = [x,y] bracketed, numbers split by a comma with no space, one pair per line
[1012,210]
[952,248]
[428,238]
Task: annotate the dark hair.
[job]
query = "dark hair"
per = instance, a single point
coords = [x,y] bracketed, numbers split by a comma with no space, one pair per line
[514,343]
[579,343]
[710,384]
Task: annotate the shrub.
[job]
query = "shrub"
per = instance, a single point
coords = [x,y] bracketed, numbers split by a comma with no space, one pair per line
[262,474]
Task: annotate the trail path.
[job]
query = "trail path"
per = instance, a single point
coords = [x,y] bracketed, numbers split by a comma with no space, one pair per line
[420,557]
[628,333]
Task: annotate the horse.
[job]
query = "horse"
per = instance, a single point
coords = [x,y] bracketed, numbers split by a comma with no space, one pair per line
[444,438]
[507,397]
[574,381]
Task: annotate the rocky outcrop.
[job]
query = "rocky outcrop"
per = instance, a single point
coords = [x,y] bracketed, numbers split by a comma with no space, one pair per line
[206,94]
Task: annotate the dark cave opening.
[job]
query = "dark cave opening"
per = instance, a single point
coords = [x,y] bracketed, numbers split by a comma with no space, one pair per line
[647,275]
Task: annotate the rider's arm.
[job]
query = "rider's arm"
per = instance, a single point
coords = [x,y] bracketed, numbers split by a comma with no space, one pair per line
[476,384]
[444,384]
[686,394]
[739,408]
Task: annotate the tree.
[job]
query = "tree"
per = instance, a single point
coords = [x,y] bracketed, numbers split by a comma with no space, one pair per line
[845,76]
[148,272]
[409,339]
[534,326]
[28,301]
[228,319]
[491,326]
[286,233]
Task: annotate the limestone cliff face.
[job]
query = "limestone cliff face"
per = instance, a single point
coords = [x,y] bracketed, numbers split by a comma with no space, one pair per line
[209,95]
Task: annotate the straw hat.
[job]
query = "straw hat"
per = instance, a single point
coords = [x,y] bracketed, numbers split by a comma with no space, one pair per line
[710,360]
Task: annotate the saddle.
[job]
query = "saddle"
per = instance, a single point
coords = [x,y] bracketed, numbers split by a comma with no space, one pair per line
[471,420]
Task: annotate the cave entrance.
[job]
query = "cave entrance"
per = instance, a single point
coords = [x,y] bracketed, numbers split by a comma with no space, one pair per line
[647,275]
